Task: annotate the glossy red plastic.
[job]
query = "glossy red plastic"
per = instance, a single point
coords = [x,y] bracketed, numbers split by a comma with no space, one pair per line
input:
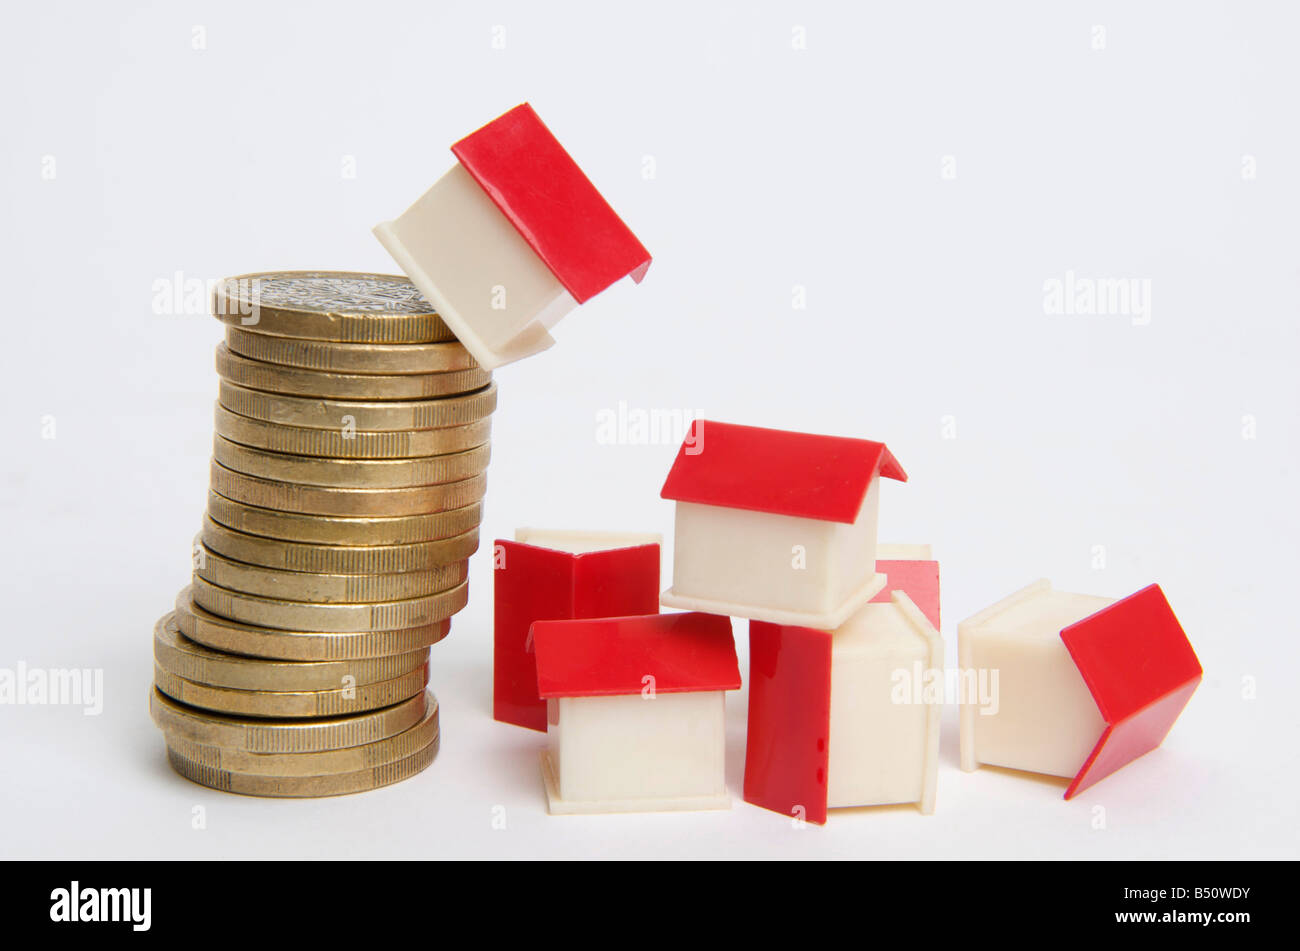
[772,470]
[614,656]
[535,584]
[554,206]
[787,752]
[916,578]
[1141,670]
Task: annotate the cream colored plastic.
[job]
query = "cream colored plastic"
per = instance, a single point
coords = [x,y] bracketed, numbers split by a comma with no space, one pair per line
[774,568]
[903,552]
[630,753]
[576,542]
[886,702]
[1044,719]
[482,277]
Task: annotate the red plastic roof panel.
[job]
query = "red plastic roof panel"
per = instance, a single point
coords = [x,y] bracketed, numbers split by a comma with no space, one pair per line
[779,472]
[554,206]
[917,578]
[534,584]
[612,656]
[1141,670]
[531,584]
[787,749]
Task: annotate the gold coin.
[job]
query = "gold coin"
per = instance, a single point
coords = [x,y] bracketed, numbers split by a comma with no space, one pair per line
[364,358]
[286,736]
[345,618]
[320,763]
[354,698]
[336,784]
[235,637]
[277,378]
[191,660]
[336,559]
[349,444]
[351,473]
[323,500]
[325,530]
[368,416]
[318,588]
[329,305]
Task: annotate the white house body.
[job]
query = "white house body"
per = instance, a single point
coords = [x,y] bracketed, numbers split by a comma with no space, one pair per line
[631,754]
[1046,719]
[885,708]
[635,711]
[771,567]
[499,305]
[776,526]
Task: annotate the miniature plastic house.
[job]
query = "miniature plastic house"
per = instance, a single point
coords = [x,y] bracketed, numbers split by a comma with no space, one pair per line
[912,570]
[1084,685]
[554,575]
[511,239]
[776,526]
[848,717]
[635,712]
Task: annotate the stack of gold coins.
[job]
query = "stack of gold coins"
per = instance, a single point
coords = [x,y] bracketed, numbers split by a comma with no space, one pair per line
[348,471]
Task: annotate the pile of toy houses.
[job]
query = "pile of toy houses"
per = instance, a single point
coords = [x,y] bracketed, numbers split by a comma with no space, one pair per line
[779,528]
[845,659]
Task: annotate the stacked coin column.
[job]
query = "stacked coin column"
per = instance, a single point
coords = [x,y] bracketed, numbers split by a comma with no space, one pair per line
[352,439]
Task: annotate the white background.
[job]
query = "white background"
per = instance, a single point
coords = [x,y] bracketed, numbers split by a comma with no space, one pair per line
[773,167]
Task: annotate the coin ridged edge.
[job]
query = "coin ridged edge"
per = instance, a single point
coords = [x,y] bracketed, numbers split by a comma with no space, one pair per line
[316,763]
[343,618]
[359,358]
[370,416]
[285,380]
[232,305]
[305,787]
[356,472]
[311,587]
[344,501]
[282,555]
[302,704]
[297,735]
[348,444]
[223,634]
[192,660]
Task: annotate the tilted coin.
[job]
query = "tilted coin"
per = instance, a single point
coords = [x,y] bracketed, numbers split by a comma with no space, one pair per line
[191,660]
[355,698]
[330,530]
[277,378]
[346,618]
[236,637]
[348,443]
[318,588]
[323,762]
[365,415]
[351,473]
[336,559]
[329,305]
[285,736]
[324,500]
[336,784]
[374,358]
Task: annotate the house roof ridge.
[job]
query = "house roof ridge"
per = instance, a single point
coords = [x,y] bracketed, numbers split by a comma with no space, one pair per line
[780,472]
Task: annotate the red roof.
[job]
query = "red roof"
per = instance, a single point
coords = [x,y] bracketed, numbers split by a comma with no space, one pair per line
[611,656]
[554,206]
[1141,670]
[531,584]
[771,470]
